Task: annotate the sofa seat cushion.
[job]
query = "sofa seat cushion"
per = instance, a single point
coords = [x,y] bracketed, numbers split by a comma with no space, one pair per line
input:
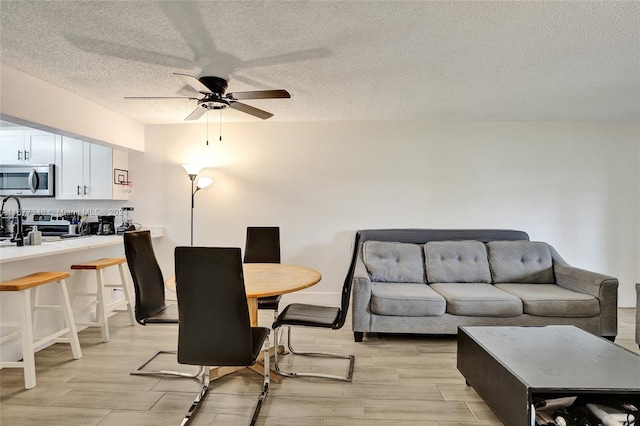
[551,300]
[520,262]
[393,262]
[405,299]
[478,299]
[457,262]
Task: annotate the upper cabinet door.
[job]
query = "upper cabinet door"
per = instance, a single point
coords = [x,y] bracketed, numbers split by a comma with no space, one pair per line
[70,169]
[40,147]
[98,172]
[11,146]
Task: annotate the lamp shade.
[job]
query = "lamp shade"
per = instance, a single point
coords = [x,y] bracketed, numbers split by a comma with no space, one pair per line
[192,169]
[203,182]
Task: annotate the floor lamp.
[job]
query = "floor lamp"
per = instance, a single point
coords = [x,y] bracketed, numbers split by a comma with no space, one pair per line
[193,170]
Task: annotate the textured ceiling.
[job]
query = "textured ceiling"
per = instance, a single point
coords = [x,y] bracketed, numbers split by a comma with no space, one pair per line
[341,61]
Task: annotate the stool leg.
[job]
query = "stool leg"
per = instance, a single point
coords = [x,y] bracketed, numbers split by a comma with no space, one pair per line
[68,318]
[36,304]
[28,355]
[127,295]
[101,314]
[74,286]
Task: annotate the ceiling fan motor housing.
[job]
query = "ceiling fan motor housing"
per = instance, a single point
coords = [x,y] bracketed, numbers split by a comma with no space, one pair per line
[215,84]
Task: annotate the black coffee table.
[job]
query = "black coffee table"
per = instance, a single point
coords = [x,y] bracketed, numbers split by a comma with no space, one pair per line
[509,366]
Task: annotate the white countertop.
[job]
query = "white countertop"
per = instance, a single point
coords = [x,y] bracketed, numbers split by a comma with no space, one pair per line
[11,253]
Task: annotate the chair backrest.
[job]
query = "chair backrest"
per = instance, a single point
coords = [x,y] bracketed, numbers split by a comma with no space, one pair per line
[214,326]
[346,287]
[145,271]
[262,245]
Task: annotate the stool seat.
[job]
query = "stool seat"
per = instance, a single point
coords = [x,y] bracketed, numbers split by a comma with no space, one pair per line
[33,280]
[100,263]
[22,287]
[98,299]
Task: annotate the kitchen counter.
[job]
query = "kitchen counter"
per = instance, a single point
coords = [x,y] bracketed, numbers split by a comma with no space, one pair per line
[11,253]
[56,255]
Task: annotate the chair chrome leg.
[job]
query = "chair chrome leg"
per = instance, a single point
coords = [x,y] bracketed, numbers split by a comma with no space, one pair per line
[205,388]
[139,372]
[275,339]
[265,386]
[347,378]
[196,402]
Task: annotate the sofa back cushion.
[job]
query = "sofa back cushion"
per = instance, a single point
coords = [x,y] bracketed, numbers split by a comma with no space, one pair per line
[520,262]
[457,262]
[393,262]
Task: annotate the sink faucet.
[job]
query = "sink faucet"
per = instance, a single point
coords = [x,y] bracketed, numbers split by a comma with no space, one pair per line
[18,238]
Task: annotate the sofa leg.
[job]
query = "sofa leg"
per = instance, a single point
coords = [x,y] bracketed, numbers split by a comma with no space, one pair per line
[357,336]
[610,338]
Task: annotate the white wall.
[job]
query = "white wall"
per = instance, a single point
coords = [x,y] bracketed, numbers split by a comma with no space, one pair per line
[573,185]
[33,102]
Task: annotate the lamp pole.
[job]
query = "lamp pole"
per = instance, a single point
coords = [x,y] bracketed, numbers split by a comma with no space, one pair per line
[193,194]
[192,171]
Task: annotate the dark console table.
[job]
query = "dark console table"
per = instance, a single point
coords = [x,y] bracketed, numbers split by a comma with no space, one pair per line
[509,366]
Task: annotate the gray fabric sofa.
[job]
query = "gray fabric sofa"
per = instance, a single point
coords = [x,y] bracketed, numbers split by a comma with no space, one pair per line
[430,281]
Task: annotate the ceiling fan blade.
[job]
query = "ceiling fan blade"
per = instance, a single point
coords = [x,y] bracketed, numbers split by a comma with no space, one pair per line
[196,113]
[160,97]
[125,52]
[302,55]
[256,112]
[260,94]
[193,82]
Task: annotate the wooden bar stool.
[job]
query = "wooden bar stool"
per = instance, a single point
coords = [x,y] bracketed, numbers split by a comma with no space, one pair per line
[23,286]
[102,308]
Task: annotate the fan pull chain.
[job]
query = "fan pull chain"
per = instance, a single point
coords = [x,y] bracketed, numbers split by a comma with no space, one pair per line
[207,127]
[220,131]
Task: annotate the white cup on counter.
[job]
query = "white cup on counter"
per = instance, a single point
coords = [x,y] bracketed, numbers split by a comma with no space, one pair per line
[73,229]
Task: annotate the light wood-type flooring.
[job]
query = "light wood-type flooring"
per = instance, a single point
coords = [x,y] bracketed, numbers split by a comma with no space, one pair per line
[399,380]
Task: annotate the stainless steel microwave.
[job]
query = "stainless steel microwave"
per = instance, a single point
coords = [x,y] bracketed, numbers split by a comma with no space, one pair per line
[27,180]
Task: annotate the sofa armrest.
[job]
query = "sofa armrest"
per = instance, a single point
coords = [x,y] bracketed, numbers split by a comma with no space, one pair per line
[583,281]
[603,287]
[361,288]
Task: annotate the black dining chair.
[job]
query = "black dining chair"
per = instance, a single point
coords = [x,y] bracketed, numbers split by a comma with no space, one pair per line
[263,246]
[214,328]
[151,306]
[305,315]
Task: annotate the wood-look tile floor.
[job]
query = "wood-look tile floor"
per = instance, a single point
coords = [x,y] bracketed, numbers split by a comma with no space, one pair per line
[399,380]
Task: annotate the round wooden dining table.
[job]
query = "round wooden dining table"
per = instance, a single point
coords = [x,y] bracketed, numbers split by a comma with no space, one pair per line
[269,279]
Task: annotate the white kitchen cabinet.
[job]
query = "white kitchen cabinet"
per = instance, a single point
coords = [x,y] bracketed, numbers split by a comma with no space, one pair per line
[11,146]
[99,170]
[84,170]
[70,169]
[20,146]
